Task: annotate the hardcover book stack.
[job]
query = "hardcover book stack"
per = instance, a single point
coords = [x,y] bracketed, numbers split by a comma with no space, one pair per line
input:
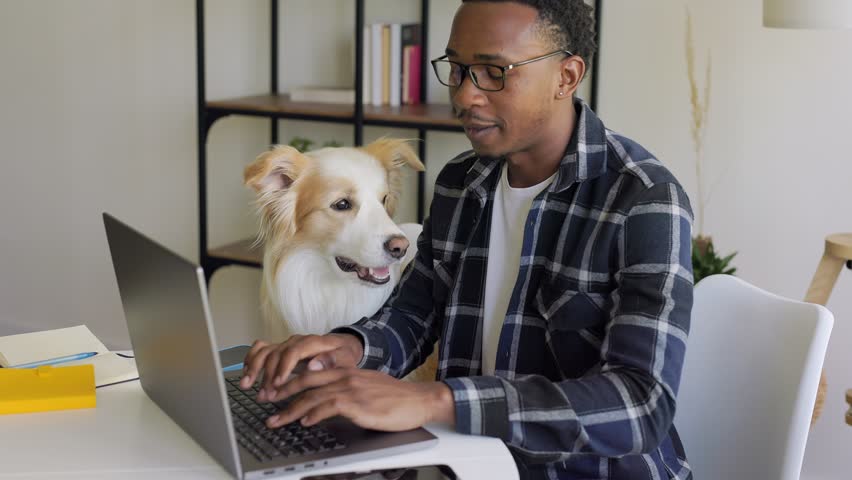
[391,66]
[392,61]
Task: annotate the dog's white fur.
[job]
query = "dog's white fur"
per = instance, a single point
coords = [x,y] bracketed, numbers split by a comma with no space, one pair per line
[305,290]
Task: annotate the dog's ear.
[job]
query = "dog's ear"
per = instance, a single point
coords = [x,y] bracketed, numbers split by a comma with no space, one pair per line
[272,175]
[393,155]
[274,170]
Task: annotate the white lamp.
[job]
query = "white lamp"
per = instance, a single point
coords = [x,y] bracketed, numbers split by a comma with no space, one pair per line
[807,13]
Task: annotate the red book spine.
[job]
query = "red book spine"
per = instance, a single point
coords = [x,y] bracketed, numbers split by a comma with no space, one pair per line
[414,75]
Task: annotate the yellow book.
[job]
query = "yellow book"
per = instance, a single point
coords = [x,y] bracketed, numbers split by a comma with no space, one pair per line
[46,388]
[386,49]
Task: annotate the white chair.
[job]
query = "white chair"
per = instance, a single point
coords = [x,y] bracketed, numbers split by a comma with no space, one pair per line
[749,382]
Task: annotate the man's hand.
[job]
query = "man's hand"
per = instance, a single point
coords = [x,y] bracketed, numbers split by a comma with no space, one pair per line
[277,361]
[368,398]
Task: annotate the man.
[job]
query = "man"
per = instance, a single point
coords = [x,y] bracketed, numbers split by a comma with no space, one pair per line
[554,267]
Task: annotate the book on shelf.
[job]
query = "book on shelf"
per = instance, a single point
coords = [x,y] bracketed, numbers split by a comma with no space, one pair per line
[395,69]
[410,34]
[404,77]
[392,64]
[376,57]
[386,48]
[323,95]
[366,67]
[413,80]
[26,348]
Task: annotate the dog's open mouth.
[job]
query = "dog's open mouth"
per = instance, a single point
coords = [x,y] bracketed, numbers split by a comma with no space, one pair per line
[377,275]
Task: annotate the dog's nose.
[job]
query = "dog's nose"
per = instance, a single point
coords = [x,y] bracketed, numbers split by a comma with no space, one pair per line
[396,246]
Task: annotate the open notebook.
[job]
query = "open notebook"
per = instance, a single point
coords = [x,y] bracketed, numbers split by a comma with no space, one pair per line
[32,347]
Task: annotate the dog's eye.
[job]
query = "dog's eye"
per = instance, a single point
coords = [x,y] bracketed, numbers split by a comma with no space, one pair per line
[385,200]
[341,205]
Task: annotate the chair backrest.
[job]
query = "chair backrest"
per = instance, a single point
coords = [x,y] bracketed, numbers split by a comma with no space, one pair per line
[749,383]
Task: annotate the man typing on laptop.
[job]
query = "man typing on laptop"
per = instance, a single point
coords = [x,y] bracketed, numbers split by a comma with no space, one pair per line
[370,398]
[555,267]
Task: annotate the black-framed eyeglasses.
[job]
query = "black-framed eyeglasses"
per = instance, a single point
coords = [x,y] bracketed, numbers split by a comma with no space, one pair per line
[491,78]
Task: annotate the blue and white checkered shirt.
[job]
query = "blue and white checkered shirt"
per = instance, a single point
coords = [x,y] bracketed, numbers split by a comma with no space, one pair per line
[590,352]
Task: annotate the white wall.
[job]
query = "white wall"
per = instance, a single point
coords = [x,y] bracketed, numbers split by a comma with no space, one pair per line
[98,113]
[777,141]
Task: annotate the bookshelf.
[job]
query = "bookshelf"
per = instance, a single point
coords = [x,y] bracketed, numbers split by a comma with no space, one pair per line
[275,106]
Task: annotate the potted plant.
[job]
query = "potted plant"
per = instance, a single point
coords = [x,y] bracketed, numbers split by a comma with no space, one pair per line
[705,260]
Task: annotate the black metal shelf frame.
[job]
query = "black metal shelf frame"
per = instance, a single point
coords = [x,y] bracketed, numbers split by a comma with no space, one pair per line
[207,116]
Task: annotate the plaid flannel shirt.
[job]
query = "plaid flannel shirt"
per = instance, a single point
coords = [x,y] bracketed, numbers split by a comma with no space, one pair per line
[591,349]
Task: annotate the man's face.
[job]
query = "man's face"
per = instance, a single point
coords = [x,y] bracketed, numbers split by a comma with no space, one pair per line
[514,118]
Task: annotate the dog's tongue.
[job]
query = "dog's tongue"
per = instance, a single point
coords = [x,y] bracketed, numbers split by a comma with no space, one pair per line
[380,272]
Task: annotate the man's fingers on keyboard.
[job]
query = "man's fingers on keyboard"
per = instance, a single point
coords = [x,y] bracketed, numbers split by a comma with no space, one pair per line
[270,366]
[256,347]
[311,380]
[289,360]
[291,357]
[327,409]
[253,364]
[305,402]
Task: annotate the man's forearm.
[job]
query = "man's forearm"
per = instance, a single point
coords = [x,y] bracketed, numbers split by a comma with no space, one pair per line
[443,404]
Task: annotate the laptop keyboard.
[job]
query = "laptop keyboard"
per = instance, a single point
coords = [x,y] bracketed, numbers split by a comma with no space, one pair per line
[264,443]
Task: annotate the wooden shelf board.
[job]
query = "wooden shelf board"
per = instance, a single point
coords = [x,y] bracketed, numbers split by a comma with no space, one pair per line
[281,104]
[436,115]
[424,114]
[243,251]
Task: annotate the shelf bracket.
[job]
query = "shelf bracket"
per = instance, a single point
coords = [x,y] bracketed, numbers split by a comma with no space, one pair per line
[210,265]
[210,117]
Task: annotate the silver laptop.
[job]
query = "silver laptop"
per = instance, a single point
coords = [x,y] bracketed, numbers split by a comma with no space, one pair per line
[171,330]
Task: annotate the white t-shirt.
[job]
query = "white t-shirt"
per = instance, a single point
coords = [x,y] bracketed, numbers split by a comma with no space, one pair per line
[511,207]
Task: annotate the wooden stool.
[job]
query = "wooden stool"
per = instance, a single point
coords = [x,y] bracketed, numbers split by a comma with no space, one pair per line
[838,250]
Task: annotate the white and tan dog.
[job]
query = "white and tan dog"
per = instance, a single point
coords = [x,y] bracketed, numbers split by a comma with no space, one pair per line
[332,254]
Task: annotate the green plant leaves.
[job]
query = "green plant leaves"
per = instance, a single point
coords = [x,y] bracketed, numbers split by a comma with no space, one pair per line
[304,144]
[708,262]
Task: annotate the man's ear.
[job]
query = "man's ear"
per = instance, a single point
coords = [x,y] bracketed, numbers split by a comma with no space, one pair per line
[571,73]
[275,170]
[393,155]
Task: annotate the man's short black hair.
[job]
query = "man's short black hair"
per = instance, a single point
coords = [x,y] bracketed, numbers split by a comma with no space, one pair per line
[565,24]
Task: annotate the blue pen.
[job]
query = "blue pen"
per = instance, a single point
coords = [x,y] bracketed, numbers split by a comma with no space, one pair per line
[54,361]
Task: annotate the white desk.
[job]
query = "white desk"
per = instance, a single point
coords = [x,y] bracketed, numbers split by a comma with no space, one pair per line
[127,436]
